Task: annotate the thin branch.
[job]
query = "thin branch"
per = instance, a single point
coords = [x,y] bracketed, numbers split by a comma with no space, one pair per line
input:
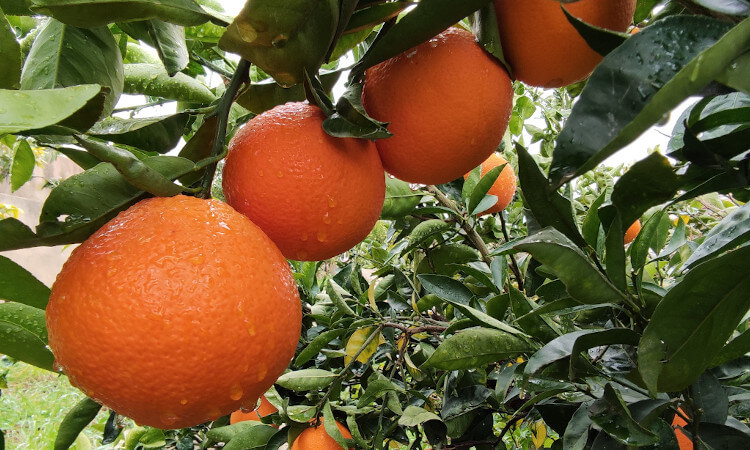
[240,77]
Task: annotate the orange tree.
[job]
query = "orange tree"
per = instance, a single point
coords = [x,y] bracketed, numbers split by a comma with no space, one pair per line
[444,328]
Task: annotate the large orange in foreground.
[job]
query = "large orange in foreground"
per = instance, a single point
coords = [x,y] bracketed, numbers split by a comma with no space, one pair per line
[315,196]
[504,187]
[448,103]
[316,438]
[176,312]
[543,48]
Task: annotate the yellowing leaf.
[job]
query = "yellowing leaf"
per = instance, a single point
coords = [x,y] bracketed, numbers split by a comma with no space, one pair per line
[539,430]
[371,295]
[355,343]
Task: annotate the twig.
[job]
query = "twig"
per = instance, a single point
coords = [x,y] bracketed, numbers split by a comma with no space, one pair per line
[240,77]
[712,208]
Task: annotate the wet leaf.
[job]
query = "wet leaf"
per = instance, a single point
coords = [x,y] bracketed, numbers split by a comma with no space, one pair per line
[168,40]
[24,335]
[19,285]
[10,70]
[475,348]
[156,134]
[74,422]
[613,416]
[306,379]
[153,80]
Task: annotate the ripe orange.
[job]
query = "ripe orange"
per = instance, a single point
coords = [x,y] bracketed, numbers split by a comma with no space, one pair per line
[448,103]
[683,440]
[504,187]
[264,409]
[543,48]
[176,312]
[316,438]
[314,195]
[632,231]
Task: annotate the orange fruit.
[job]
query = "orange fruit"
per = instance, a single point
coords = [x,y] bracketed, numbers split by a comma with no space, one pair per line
[504,187]
[316,438]
[632,231]
[176,312]
[264,409]
[543,48]
[315,196]
[683,440]
[448,103]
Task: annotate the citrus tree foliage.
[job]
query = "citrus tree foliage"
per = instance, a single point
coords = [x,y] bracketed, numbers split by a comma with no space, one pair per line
[444,328]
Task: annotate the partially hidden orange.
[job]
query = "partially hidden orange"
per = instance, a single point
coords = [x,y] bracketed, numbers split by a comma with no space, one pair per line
[632,231]
[316,196]
[264,409]
[174,313]
[504,187]
[316,438]
[448,103]
[543,48]
[683,440]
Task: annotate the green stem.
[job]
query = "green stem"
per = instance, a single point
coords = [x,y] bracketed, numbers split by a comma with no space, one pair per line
[218,151]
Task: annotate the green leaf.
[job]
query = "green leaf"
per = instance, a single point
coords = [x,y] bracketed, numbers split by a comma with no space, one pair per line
[577,431]
[284,39]
[485,319]
[60,51]
[600,40]
[168,40]
[649,182]
[306,379]
[721,436]
[23,165]
[446,288]
[76,107]
[475,348]
[135,171]
[400,199]
[19,285]
[732,231]
[734,75]
[592,222]
[94,13]
[376,389]
[264,95]
[479,192]
[23,335]
[550,209]
[317,344]
[540,327]
[350,120]
[647,90]
[334,292]
[414,415]
[78,418]
[645,240]
[329,422]
[156,134]
[615,254]
[736,348]
[254,438]
[693,322]
[426,20]
[582,279]
[613,416]
[153,80]
[10,70]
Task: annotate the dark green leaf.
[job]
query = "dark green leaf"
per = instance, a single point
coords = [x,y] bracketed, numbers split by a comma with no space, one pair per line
[736,348]
[19,285]
[376,389]
[645,240]
[423,22]
[60,51]
[317,344]
[550,209]
[577,432]
[351,120]
[23,165]
[481,318]
[16,7]
[650,182]
[366,18]
[414,415]
[710,398]
[254,438]
[284,39]
[613,416]
[75,421]
[446,288]
[38,109]
[583,281]
[732,231]
[93,13]
[23,334]
[591,223]
[731,7]
[734,74]
[475,348]
[400,199]
[647,90]
[601,40]
[615,254]
[153,80]
[329,422]
[539,327]
[693,322]
[157,134]
[723,437]
[479,192]
[10,70]
[264,95]
[168,40]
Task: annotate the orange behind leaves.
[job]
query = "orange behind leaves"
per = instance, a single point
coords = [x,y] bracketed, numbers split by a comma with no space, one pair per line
[176,312]
[504,187]
[264,409]
[315,196]
[448,103]
[632,231]
[316,438]
[543,48]
[683,440]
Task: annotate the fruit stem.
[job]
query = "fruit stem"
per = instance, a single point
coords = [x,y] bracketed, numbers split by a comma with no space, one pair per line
[240,77]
